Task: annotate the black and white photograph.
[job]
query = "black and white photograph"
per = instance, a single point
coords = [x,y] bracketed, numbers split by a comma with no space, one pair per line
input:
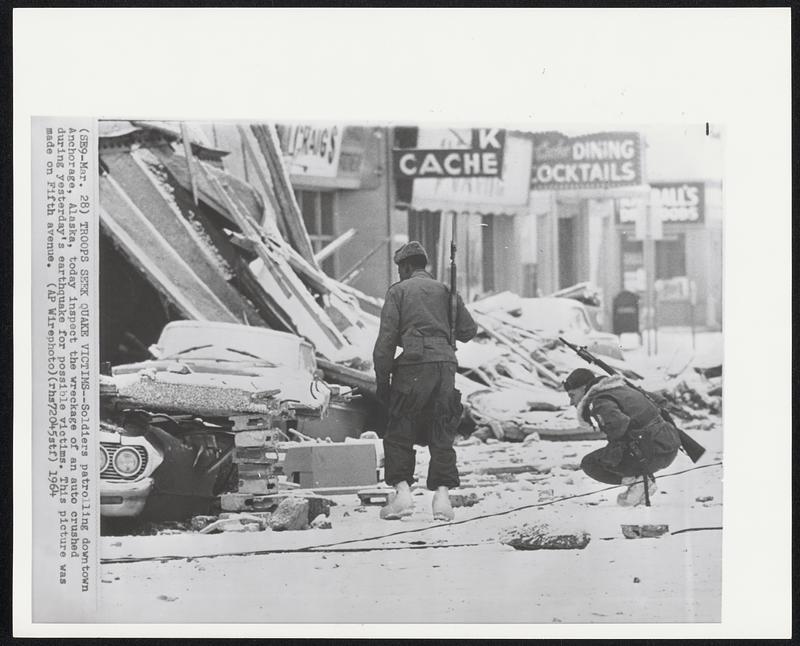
[397,350]
[382,368]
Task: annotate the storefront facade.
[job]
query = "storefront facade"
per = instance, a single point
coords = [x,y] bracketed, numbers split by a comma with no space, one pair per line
[479,178]
[590,198]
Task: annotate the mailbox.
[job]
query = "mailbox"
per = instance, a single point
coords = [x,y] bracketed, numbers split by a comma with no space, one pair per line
[625,308]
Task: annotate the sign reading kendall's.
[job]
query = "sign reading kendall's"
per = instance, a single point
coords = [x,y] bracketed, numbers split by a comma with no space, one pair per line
[669,202]
[483,158]
[602,160]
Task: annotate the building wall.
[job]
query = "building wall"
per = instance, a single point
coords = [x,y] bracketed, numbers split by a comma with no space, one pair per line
[367,212]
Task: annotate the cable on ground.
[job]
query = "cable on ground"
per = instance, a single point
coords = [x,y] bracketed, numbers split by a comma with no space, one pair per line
[328,546]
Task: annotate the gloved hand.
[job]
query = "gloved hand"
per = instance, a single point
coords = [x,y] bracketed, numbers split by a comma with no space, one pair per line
[382,393]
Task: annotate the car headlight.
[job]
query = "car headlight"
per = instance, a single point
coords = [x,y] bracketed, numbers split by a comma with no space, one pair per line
[103,458]
[127,461]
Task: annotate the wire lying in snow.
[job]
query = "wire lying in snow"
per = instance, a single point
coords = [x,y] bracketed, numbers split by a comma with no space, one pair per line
[327,547]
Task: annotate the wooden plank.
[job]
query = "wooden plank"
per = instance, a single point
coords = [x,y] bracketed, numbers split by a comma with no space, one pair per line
[267,143]
[253,422]
[187,151]
[259,438]
[162,265]
[334,245]
[262,455]
[134,172]
[273,272]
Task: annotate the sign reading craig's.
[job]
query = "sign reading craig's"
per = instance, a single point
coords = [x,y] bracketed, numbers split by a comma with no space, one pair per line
[600,160]
[482,156]
[311,149]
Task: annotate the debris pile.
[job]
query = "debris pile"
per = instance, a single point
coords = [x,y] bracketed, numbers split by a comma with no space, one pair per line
[216,249]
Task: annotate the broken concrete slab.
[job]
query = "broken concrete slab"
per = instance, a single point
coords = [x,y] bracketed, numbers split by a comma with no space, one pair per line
[240,523]
[644,531]
[291,514]
[542,536]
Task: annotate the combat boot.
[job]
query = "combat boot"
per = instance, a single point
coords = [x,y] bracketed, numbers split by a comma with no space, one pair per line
[400,505]
[634,494]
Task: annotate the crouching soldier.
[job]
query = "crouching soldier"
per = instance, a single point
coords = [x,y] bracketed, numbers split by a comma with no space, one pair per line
[640,441]
[418,387]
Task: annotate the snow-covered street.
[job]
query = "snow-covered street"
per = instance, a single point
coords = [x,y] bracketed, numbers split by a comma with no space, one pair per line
[452,573]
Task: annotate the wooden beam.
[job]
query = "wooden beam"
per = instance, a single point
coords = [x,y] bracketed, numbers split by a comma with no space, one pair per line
[331,247]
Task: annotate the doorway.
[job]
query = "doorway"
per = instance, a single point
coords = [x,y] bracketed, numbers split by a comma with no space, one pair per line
[566,252]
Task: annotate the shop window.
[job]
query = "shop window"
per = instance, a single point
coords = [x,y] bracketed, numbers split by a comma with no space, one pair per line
[633,278]
[318,208]
[671,256]
[566,252]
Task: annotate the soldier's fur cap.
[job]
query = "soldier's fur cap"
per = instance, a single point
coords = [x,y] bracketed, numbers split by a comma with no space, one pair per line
[408,250]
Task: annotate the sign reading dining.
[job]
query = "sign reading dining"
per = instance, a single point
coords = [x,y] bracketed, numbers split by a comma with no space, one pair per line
[482,158]
[601,160]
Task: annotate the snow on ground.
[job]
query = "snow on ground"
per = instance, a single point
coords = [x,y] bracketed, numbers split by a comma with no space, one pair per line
[679,576]
[449,573]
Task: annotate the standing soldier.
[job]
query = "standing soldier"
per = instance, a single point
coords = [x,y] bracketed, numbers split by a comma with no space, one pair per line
[640,441]
[418,387]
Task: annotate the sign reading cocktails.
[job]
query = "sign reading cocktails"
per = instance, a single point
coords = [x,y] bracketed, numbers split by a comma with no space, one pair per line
[483,157]
[601,160]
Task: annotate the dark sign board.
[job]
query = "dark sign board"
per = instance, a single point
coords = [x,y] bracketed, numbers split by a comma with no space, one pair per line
[600,160]
[669,202]
[484,158]
[678,201]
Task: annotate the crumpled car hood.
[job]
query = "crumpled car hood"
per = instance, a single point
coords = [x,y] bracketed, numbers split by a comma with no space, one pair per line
[248,384]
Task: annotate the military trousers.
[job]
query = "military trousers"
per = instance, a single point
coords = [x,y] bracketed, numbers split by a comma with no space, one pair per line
[424,409]
[606,465]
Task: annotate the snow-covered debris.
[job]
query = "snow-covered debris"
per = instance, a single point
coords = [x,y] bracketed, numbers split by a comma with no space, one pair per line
[541,536]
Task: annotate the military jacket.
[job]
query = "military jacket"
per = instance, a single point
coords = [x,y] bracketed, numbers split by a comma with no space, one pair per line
[625,414]
[415,316]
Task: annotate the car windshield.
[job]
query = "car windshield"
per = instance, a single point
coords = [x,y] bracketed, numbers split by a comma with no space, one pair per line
[237,344]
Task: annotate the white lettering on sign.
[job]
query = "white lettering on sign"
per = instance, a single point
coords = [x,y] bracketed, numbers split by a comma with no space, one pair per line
[668,203]
[677,202]
[447,163]
[604,159]
[408,164]
[488,138]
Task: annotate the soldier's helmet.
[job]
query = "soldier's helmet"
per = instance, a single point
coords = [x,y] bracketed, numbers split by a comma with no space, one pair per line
[408,250]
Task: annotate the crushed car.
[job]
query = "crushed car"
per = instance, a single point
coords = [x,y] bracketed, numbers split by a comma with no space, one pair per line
[553,317]
[167,440]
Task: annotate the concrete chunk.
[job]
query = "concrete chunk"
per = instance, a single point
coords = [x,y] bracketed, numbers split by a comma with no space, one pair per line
[291,514]
[644,531]
[542,536]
